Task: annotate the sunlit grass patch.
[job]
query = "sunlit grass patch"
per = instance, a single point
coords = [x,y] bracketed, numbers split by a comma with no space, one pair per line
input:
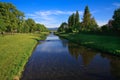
[14,53]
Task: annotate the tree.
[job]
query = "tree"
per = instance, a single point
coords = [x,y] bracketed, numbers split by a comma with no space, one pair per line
[2,26]
[31,23]
[86,16]
[104,28]
[116,20]
[41,28]
[25,28]
[88,23]
[93,25]
[10,16]
[77,20]
[63,27]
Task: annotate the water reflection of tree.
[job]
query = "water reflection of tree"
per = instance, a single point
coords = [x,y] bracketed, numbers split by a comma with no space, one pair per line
[86,54]
[64,42]
[115,64]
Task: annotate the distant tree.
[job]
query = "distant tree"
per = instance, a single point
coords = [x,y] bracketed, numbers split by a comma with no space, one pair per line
[71,21]
[77,19]
[26,27]
[88,23]
[104,28]
[63,27]
[86,18]
[41,28]
[93,25]
[31,23]
[110,24]
[116,20]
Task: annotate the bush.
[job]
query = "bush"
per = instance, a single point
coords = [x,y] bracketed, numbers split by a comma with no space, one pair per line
[68,30]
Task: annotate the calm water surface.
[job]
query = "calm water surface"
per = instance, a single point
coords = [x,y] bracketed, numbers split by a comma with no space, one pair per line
[58,59]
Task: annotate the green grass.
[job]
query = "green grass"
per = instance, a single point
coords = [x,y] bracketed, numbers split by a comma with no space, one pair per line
[14,53]
[109,44]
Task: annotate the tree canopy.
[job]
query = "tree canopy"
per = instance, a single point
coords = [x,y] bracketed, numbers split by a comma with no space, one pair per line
[116,20]
[74,25]
[88,23]
[12,20]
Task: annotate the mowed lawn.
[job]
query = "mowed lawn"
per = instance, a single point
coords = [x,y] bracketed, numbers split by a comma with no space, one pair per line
[14,53]
[110,44]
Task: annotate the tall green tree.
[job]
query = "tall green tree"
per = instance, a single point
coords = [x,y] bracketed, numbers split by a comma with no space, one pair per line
[86,18]
[116,20]
[71,20]
[77,19]
[88,24]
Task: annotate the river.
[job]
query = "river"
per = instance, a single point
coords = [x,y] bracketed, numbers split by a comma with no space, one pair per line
[59,59]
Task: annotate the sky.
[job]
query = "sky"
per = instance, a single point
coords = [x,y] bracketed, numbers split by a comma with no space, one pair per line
[52,13]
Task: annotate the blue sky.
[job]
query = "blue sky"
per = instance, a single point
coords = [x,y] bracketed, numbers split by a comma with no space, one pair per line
[52,13]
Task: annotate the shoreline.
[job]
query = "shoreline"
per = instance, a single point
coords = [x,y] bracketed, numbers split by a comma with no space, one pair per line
[90,44]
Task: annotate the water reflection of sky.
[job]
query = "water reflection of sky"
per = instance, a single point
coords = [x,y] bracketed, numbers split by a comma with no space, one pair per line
[56,59]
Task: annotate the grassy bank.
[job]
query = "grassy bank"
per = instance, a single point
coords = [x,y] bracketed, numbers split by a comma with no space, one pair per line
[14,53]
[109,44]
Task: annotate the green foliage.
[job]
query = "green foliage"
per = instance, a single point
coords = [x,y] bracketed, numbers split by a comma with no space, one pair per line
[93,25]
[86,17]
[99,42]
[68,30]
[88,24]
[104,28]
[116,20]
[31,23]
[71,21]
[41,28]
[12,20]
[2,26]
[63,27]
[77,20]
[10,16]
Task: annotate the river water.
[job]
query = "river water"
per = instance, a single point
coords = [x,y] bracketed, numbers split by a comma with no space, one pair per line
[59,59]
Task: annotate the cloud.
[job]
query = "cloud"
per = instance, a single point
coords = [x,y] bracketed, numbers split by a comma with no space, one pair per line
[51,18]
[54,12]
[116,4]
[102,22]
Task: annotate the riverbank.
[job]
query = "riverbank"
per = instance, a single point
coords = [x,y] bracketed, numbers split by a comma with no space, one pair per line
[14,53]
[108,44]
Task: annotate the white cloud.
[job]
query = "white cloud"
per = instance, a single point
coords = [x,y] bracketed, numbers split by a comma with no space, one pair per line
[53,12]
[101,23]
[51,18]
[116,4]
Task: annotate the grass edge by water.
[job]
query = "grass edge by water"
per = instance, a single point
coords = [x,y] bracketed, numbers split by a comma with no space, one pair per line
[14,53]
[74,37]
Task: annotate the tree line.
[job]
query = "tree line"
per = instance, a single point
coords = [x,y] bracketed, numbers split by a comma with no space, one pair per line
[89,24]
[12,20]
